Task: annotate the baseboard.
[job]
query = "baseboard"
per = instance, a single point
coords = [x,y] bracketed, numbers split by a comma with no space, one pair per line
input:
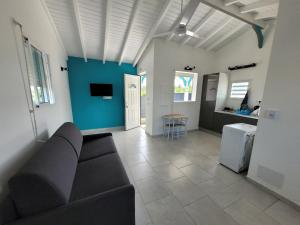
[210,132]
[280,197]
[102,130]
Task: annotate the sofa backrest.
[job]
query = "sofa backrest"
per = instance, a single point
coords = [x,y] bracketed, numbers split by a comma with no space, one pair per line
[72,134]
[46,179]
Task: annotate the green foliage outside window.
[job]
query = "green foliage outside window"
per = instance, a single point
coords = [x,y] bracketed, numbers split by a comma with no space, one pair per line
[143,91]
[183,90]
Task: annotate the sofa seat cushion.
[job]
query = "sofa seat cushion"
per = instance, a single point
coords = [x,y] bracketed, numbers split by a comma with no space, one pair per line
[95,147]
[98,175]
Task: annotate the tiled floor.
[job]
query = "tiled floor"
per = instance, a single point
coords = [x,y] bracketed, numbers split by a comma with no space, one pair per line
[180,183]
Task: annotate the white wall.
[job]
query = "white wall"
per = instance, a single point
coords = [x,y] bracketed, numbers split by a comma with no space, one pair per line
[147,64]
[166,57]
[275,161]
[169,57]
[17,139]
[241,51]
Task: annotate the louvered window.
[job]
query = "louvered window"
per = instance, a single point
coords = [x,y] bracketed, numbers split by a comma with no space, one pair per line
[239,89]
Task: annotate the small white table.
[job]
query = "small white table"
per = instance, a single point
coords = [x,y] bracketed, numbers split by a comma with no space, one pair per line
[174,125]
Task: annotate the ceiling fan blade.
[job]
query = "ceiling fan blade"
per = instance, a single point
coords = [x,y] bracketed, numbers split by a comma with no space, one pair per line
[192,34]
[162,34]
[189,12]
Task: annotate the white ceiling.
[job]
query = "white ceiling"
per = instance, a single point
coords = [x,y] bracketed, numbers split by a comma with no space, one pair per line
[117,30]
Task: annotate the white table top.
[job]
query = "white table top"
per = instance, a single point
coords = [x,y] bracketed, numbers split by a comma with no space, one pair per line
[174,116]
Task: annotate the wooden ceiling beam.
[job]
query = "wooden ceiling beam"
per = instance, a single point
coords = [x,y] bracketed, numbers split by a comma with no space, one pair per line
[132,21]
[152,31]
[57,34]
[107,28]
[199,25]
[266,15]
[258,5]
[230,2]
[79,27]
[233,11]
[214,32]
[228,35]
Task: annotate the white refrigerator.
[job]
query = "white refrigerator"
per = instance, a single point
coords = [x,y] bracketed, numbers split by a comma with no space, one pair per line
[236,146]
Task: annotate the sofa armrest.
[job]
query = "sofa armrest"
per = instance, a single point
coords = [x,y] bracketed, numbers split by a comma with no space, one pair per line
[114,207]
[91,137]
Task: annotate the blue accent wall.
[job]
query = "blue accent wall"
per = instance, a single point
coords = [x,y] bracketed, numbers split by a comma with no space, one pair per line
[94,112]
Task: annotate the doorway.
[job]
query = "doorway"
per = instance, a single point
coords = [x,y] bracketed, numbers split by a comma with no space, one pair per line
[143,100]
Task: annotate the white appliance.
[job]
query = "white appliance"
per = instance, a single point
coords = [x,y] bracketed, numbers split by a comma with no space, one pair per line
[236,146]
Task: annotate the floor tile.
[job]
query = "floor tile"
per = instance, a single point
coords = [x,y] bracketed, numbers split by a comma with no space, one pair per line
[150,189]
[167,172]
[224,197]
[257,197]
[181,161]
[226,175]
[205,163]
[185,191]
[134,159]
[171,174]
[212,185]
[168,211]
[196,174]
[141,171]
[141,215]
[247,214]
[206,212]
[157,159]
[284,214]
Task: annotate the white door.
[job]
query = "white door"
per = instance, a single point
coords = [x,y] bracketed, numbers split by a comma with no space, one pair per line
[132,101]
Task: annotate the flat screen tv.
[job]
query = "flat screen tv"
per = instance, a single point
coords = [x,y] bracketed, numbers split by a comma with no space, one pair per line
[101,89]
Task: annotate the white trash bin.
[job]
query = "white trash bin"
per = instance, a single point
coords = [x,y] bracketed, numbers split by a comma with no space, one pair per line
[236,146]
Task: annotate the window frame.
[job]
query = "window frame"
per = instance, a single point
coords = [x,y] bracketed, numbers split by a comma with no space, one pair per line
[46,79]
[238,81]
[194,76]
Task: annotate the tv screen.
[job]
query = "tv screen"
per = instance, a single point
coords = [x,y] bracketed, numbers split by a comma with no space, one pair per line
[101,89]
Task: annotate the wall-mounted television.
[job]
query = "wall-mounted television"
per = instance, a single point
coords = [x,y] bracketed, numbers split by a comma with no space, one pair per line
[101,89]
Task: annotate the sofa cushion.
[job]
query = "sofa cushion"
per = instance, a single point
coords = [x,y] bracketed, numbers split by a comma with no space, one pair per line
[72,134]
[98,175]
[93,148]
[46,179]
[7,210]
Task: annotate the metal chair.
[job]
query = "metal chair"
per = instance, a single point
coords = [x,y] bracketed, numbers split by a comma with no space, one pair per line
[180,127]
[174,125]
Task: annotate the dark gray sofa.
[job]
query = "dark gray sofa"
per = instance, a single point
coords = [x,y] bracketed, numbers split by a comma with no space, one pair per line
[71,180]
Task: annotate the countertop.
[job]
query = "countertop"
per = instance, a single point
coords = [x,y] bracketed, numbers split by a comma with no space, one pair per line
[235,114]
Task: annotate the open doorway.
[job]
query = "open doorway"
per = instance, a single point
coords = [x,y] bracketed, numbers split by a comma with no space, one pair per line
[143,100]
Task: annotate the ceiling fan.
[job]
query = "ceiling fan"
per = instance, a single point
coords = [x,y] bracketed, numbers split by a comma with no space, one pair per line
[186,15]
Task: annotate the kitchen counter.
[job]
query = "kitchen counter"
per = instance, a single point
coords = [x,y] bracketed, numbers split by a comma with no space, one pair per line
[222,118]
[236,114]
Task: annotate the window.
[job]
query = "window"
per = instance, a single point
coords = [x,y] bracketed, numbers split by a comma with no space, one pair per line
[185,86]
[39,75]
[239,89]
